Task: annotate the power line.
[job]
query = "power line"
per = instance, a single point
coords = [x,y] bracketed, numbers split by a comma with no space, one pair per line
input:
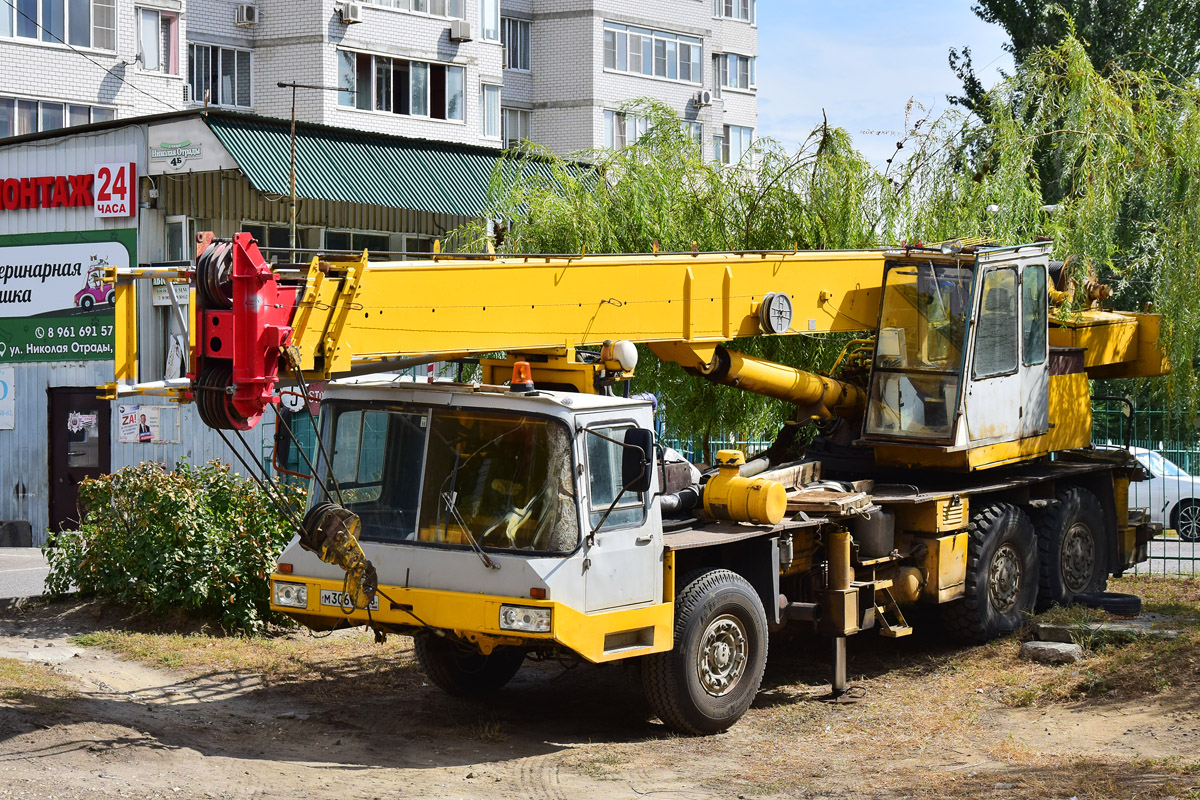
[85,56]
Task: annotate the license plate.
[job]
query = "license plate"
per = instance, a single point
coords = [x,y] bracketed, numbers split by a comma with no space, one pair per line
[339,599]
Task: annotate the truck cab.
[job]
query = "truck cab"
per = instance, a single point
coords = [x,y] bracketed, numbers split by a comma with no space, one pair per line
[499,499]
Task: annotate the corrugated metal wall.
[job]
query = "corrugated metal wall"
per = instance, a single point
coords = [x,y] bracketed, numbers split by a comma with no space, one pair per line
[24,460]
[24,451]
[220,201]
[225,199]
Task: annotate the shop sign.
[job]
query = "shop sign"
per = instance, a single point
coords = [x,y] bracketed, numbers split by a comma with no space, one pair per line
[54,305]
[8,404]
[47,191]
[116,190]
[111,191]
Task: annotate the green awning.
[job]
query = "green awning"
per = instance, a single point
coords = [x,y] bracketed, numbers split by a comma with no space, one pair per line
[350,166]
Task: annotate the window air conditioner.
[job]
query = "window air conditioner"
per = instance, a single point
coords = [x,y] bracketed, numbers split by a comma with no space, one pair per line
[460,30]
[350,12]
[504,57]
[703,98]
[246,15]
[187,93]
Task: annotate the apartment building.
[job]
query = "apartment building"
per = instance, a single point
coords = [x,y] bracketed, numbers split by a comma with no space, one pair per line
[478,72]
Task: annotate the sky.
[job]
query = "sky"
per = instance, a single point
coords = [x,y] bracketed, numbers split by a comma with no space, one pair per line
[861,61]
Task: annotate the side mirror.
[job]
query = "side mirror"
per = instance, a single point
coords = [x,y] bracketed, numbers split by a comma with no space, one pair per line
[637,460]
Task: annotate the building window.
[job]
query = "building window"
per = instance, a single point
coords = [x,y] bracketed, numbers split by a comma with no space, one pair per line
[621,129]
[514,126]
[489,107]
[18,117]
[694,130]
[219,76]
[435,8]
[654,53]
[80,23]
[514,35]
[399,86]
[489,19]
[733,71]
[734,9]
[735,143]
[158,41]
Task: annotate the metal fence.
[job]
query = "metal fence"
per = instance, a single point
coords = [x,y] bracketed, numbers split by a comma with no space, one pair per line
[1167,444]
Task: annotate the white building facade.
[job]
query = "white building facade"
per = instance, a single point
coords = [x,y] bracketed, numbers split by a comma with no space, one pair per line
[479,72]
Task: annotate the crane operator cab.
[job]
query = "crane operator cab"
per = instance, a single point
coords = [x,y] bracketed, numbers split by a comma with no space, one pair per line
[962,368]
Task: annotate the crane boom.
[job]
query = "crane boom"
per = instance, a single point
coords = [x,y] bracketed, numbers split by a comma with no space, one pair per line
[332,316]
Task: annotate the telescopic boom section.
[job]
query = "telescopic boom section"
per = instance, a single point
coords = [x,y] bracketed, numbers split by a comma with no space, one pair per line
[255,324]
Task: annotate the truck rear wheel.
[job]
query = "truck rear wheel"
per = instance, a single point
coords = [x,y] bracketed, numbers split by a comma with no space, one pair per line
[1070,548]
[1002,575]
[706,683]
[463,671]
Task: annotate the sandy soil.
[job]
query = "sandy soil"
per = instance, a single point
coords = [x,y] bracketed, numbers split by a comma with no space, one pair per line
[131,731]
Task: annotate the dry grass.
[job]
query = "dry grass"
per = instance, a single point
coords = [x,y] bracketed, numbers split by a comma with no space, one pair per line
[291,658]
[1112,668]
[22,680]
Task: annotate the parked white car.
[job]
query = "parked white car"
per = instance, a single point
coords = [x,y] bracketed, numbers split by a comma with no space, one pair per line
[1171,495]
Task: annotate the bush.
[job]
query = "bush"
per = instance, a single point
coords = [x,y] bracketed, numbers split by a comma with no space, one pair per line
[198,539]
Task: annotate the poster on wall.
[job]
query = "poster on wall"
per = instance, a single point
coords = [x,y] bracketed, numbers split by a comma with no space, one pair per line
[8,405]
[149,425]
[54,305]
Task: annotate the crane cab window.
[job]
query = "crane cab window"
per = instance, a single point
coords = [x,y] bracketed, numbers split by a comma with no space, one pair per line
[1033,315]
[996,330]
[604,481]
[919,350]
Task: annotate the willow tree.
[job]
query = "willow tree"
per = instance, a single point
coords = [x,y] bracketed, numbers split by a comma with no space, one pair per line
[1120,140]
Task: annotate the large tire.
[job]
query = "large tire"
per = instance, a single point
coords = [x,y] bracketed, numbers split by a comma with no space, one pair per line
[465,672]
[1071,548]
[706,683]
[1002,575]
[1185,519]
[1115,603]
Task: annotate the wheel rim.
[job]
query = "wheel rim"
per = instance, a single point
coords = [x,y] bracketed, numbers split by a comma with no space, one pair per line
[722,657]
[1078,557]
[1004,578]
[1189,522]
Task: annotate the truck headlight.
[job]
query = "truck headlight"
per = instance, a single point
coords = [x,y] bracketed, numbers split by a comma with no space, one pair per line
[292,595]
[524,618]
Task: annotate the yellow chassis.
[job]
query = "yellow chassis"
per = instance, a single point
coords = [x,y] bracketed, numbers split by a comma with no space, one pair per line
[476,618]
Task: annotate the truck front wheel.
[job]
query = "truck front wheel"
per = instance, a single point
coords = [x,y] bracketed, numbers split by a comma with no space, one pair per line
[460,670]
[706,683]
[1002,575]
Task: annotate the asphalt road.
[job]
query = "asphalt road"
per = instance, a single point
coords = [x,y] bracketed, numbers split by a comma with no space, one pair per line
[22,570]
[1172,557]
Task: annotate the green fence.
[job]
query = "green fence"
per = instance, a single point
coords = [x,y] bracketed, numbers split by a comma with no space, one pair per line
[1167,444]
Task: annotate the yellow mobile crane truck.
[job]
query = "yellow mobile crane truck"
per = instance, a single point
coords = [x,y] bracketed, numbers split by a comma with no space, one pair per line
[952,463]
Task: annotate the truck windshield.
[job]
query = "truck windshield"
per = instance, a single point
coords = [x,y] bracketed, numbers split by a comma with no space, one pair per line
[919,350]
[450,476]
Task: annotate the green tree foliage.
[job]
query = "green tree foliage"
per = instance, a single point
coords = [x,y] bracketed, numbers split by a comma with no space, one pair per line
[1120,142]
[196,539]
[1139,35]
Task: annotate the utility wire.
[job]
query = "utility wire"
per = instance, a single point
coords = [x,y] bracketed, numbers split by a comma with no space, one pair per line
[11,4]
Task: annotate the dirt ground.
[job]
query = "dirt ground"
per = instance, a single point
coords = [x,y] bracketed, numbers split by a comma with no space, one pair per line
[926,722]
